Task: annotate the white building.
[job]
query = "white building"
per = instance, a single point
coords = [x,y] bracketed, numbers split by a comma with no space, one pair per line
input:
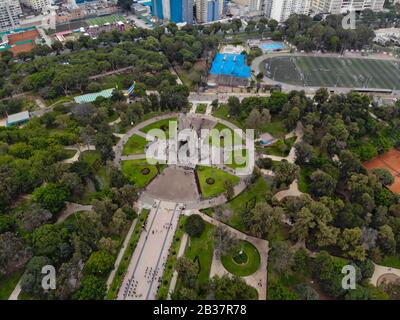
[10,13]
[36,4]
[342,6]
[280,10]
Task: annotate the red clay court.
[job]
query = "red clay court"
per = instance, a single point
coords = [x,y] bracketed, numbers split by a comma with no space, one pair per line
[390,161]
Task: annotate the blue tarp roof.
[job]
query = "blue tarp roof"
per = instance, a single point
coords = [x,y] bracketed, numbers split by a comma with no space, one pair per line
[230,64]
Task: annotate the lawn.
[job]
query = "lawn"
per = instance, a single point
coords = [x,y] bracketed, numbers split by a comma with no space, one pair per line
[201,108]
[224,133]
[91,157]
[304,179]
[242,260]
[275,128]
[247,199]
[7,284]
[392,261]
[162,124]
[171,261]
[135,145]
[200,250]
[139,171]
[218,178]
[280,148]
[69,153]
[238,159]
[222,112]
[123,266]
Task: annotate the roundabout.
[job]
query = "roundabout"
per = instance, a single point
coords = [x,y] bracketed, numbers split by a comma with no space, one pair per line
[242,260]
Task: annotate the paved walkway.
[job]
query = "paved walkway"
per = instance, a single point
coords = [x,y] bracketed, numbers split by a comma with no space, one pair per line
[146,199]
[382,270]
[258,280]
[121,253]
[291,157]
[79,149]
[146,267]
[293,191]
[136,130]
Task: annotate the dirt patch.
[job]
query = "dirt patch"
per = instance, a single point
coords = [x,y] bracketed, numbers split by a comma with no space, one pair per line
[391,162]
[175,184]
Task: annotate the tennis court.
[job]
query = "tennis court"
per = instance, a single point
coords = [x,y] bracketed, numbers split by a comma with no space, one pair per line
[391,162]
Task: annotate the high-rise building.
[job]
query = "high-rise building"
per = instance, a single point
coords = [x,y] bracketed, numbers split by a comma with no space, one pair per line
[174,10]
[36,4]
[181,11]
[10,13]
[280,10]
[342,6]
[210,10]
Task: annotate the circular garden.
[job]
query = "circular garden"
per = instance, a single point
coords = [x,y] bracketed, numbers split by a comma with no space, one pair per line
[242,260]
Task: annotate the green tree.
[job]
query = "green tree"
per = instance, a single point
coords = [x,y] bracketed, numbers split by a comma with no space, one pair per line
[51,197]
[194,225]
[232,288]
[92,288]
[99,263]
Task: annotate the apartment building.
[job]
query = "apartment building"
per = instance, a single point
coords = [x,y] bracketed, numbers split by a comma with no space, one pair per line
[342,6]
[10,14]
[36,4]
[280,10]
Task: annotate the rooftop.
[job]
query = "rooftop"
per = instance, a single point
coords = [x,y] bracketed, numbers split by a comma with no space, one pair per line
[90,97]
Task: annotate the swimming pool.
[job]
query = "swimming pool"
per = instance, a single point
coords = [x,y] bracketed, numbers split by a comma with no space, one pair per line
[272,46]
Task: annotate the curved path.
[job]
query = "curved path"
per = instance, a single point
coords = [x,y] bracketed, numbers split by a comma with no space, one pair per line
[382,270]
[258,280]
[293,191]
[79,149]
[136,130]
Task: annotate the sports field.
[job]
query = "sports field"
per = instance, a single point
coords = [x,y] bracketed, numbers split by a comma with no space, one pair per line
[104,19]
[333,72]
[391,162]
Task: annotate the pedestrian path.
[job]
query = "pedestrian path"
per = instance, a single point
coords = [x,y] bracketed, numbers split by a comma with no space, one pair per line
[146,268]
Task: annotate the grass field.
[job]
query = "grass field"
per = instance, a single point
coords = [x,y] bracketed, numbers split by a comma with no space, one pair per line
[135,171]
[135,145]
[102,20]
[219,177]
[255,192]
[243,260]
[162,125]
[200,251]
[171,260]
[8,283]
[333,72]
